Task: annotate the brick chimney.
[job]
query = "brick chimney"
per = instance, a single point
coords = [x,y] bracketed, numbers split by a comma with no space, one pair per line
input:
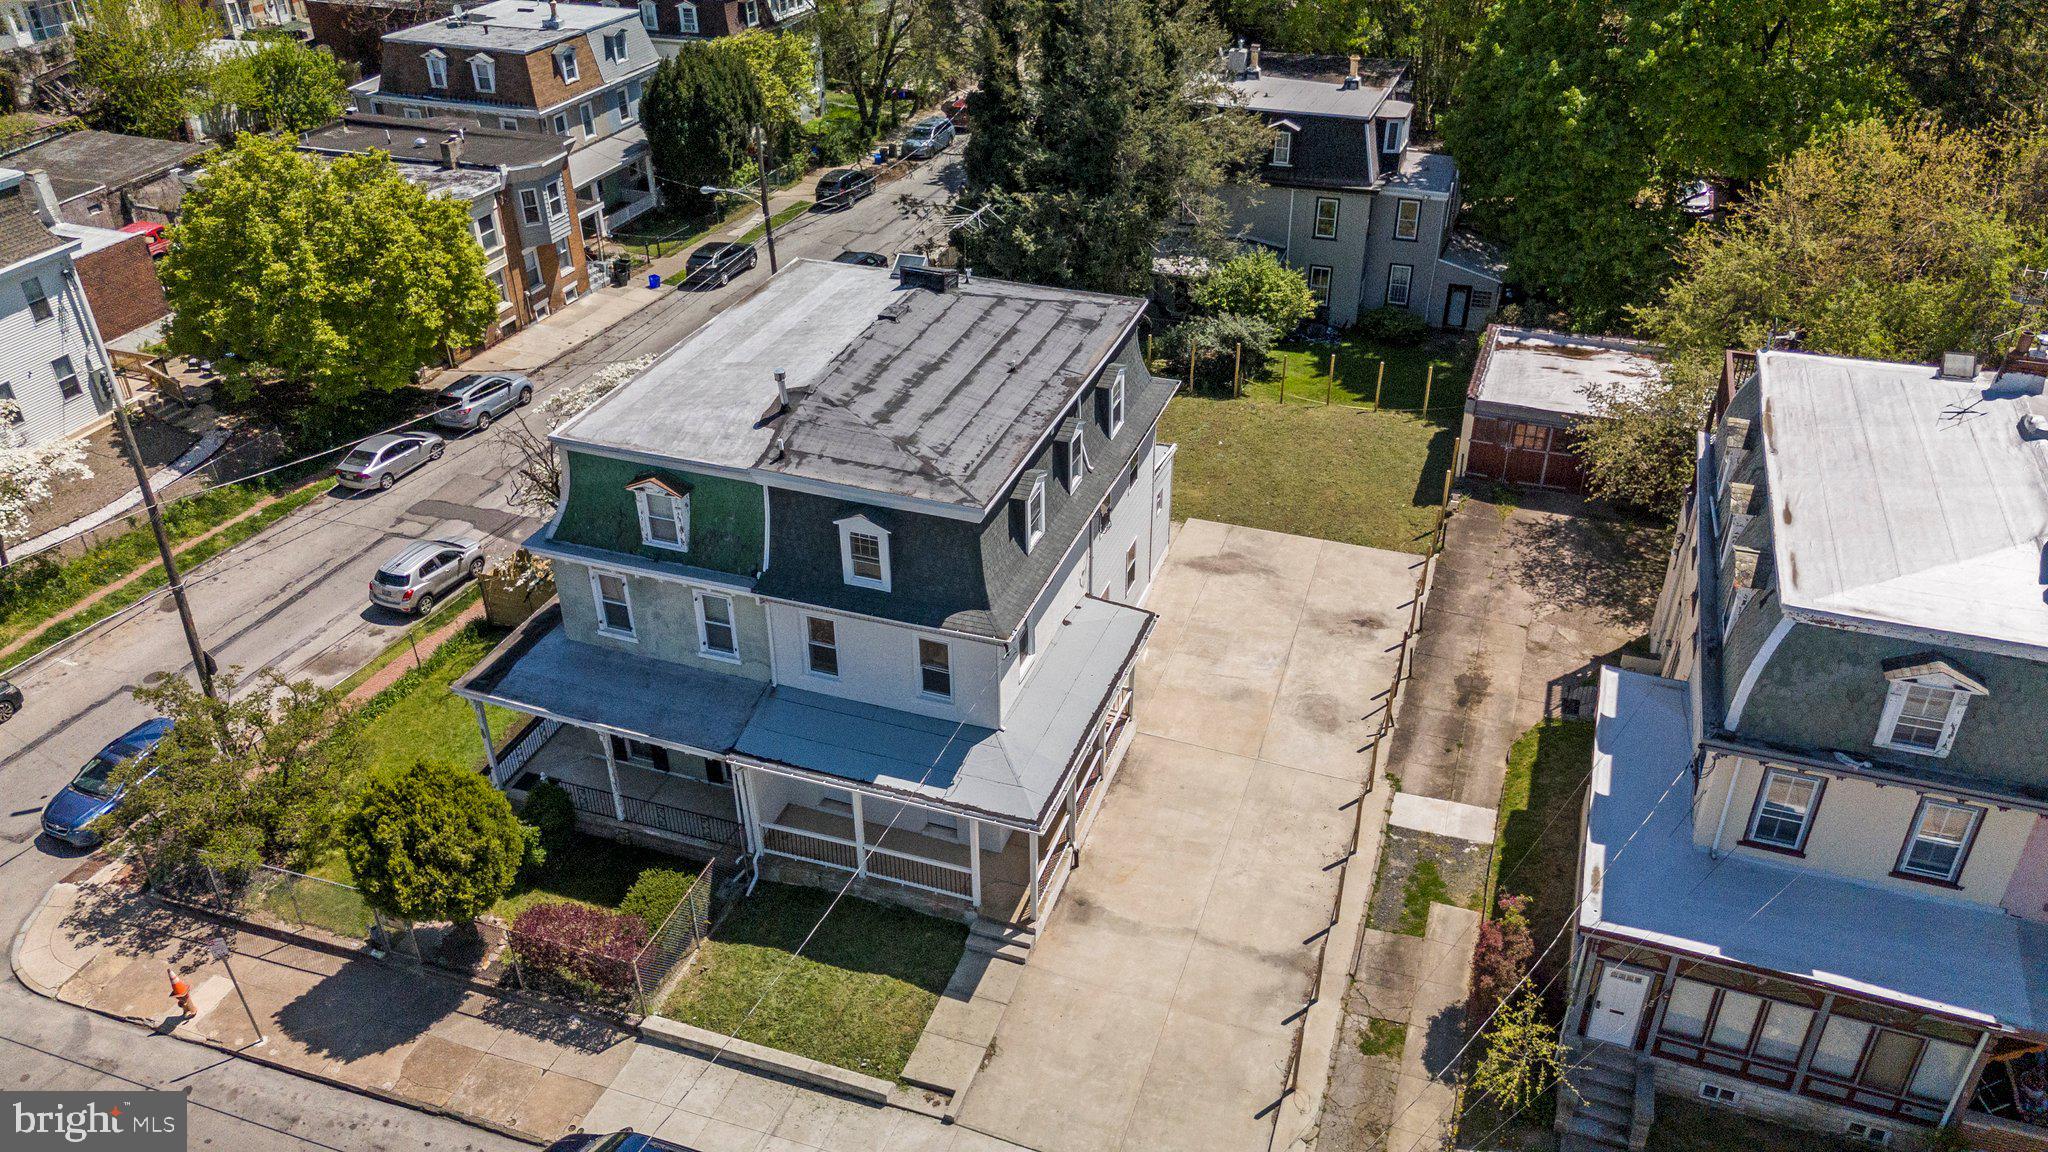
[1351,80]
[451,150]
[1252,62]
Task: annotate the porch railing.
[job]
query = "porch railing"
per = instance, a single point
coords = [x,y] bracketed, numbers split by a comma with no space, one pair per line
[920,872]
[524,743]
[664,817]
[816,847]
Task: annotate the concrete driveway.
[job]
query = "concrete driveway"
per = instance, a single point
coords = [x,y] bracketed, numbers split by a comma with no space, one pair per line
[1160,1004]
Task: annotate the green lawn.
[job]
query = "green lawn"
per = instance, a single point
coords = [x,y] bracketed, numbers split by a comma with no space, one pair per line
[593,871]
[418,718]
[783,217]
[1437,372]
[1383,1038]
[859,995]
[1539,819]
[1425,886]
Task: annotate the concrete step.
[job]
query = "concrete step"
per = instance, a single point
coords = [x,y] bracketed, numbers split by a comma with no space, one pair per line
[1605,1091]
[1003,931]
[1610,1057]
[1596,1130]
[1618,1116]
[1573,1142]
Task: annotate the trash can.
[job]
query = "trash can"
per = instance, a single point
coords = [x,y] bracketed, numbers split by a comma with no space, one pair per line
[622,270]
[654,279]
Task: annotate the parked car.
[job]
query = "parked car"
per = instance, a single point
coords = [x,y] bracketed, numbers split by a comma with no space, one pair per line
[379,461]
[928,137]
[844,187]
[479,398]
[717,263]
[864,259]
[92,793]
[10,700]
[956,111]
[424,571]
[624,1140]
[154,235]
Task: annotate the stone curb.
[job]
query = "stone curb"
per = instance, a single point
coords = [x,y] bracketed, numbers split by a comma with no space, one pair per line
[21,939]
[703,1042]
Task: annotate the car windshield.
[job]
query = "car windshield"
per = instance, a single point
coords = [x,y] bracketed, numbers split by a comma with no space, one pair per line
[357,459]
[93,781]
[393,579]
[703,256]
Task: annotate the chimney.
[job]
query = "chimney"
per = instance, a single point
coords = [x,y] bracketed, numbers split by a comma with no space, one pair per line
[1252,64]
[46,196]
[782,389]
[1351,81]
[451,150]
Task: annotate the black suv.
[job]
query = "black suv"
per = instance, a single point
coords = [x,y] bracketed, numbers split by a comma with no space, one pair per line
[843,187]
[718,262]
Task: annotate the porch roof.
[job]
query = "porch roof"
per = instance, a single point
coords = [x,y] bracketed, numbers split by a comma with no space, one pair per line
[540,671]
[1013,772]
[1643,879]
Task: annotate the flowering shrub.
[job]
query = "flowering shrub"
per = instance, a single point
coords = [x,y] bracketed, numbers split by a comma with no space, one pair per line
[1502,955]
[584,946]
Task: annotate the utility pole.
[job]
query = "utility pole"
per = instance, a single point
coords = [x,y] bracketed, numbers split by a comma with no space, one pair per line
[202,664]
[761,161]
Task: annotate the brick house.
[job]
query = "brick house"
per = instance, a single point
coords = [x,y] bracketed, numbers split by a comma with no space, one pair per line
[522,203]
[674,23]
[572,71]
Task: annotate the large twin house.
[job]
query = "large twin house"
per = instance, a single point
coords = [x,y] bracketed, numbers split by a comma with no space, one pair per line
[1814,877]
[849,579]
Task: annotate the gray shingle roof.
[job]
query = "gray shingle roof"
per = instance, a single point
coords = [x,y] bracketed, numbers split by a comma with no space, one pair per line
[514,25]
[109,158]
[419,141]
[22,234]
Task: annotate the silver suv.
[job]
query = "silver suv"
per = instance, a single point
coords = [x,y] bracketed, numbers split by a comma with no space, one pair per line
[476,400]
[425,571]
[379,461]
[928,137]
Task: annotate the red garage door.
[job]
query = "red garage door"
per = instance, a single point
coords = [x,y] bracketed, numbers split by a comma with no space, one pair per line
[1535,455]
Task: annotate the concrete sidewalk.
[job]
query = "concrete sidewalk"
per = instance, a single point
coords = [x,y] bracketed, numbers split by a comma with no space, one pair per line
[419,1038]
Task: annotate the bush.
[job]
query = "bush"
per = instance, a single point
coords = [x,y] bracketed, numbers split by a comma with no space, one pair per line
[1257,285]
[1396,326]
[655,894]
[1215,340]
[835,138]
[1501,957]
[552,814]
[580,945]
[435,842]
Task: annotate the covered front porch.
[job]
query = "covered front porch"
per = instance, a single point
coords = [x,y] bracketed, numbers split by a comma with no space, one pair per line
[625,785]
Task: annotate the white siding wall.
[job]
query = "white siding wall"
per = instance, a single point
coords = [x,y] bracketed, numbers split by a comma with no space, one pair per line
[878,664]
[28,347]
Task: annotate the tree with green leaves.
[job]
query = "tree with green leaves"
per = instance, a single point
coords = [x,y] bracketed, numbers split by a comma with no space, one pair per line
[280,86]
[700,110]
[1257,285]
[874,47]
[783,69]
[435,843]
[1098,128]
[1888,241]
[1522,1057]
[255,776]
[335,276]
[145,62]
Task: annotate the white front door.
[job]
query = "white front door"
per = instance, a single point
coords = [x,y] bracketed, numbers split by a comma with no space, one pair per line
[1617,1006]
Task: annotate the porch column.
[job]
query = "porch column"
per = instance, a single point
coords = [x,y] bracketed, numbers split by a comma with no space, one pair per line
[1032,883]
[974,860]
[611,774]
[1972,1073]
[1812,1044]
[1663,999]
[743,794]
[483,725]
[860,837]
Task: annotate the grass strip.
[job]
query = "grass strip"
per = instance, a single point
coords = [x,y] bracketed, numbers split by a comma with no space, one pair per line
[1425,887]
[783,217]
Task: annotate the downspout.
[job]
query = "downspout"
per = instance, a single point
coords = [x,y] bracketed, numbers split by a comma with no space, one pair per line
[1727,802]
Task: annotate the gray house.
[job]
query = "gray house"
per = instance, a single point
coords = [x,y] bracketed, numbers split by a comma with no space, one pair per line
[1814,875]
[849,583]
[1344,197]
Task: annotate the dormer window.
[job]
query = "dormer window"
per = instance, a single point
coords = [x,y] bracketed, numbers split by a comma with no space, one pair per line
[615,42]
[1283,146]
[650,16]
[1073,454]
[686,19]
[1393,135]
[483,72]
[1116,403]
[565,64]
[437,68]
[1924,706]
[1034,514]
[864,553]
[664,514]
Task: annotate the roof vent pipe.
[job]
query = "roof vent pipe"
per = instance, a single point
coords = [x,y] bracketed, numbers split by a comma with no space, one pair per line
[1351,81]
[554,19]
[1252,61]
[782,389]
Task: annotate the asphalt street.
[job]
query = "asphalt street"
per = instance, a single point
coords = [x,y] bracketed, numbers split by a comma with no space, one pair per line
[293,599]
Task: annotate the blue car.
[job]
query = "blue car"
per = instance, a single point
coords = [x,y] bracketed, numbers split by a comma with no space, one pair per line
[92,794]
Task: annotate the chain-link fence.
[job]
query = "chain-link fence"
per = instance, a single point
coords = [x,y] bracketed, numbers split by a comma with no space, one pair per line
[277,898]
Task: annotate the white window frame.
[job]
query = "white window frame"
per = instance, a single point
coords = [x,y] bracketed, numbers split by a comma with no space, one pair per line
[604,626]
[1319,277]
[686,19]
[650,15]
[1763,791]
[1895,705]
[1393,135]
[531,266]
[1076,464]
[1131,567]
[1407,218]
[508,123]
[1915,831]
[1116,404]
[1406,285]
[750,13]
[69,384]
[731,624]
[552,193]
[1336,208]
[483,72]
[1283,148]
[437,68]
[854,526]
[565,64]
[644,496]
[811,645]
[487,233]
[944,667]
[532,209]
[1034,510]
[588,116]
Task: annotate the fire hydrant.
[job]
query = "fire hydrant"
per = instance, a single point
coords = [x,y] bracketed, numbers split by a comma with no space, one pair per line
[182,993]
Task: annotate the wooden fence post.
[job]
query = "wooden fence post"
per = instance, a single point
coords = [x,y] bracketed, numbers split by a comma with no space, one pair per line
[1194,348]
[1330,385]
[1148,350]
[1283,377]
[1237,371]
[1378,386]
[1428,383]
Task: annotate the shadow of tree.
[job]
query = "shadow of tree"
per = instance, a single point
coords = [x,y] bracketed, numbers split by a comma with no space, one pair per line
[541,1023]
[1443,1039]
[129,923]
[366,1008]
[1611,568]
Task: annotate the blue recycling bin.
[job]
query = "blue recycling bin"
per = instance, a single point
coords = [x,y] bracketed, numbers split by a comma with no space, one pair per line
[654,279]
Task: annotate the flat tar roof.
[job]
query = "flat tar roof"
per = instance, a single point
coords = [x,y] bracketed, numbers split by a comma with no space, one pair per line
[1533,372]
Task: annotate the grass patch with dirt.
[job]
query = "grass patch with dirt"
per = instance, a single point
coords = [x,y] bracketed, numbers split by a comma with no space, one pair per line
[1425,886]
[418,718]
[783,217]
[857,997]
[1539,839]
[1383,1038]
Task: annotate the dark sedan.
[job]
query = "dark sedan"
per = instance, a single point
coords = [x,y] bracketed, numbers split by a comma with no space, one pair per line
[10,700]
[715,264]
[864,259]
[843,187]
[623,1141]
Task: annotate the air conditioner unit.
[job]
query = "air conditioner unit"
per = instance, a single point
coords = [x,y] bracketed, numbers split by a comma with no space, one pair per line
[1719,1093]
[1869,1133]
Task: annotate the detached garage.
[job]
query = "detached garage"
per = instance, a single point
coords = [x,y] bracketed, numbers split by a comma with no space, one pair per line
[1528,388]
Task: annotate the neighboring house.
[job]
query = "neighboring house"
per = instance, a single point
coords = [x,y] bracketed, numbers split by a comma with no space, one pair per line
[576,71]
[849,580]
[521,201]
[673,23]
[245,16]
[1814,875]
[354,30]
[1347,199]
[118,276]
[1529,387]
[107,179]
[52,364]
[34,23]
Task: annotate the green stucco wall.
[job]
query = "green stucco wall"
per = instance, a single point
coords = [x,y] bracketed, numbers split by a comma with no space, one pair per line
[726,524]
